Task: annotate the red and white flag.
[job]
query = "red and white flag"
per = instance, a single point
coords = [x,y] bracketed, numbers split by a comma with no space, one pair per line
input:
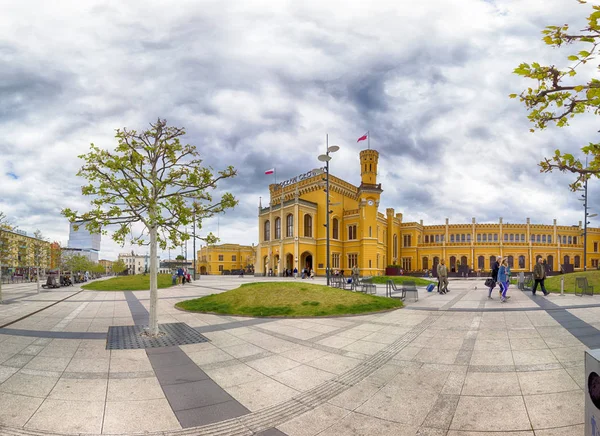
[363,137]
[271,171]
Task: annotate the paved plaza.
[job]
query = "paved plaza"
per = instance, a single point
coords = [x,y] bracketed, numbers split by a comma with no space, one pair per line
[446,365]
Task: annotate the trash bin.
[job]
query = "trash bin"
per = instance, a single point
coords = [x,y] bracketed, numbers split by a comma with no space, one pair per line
[592,393]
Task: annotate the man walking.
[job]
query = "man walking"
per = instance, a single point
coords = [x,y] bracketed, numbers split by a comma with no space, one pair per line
[355,273]
[442,273]
[539,274]
[495,267]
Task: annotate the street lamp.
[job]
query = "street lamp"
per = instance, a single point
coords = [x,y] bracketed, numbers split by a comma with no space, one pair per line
[326,158]
[586,216]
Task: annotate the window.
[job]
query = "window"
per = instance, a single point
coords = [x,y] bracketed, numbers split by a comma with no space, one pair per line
[570,240]
[512,237]
[522,262]
[352,232]
[396,246]
[437,238]
[506,237]
[523,237]
[595,263]
[485,237]
[336,229]
[406,265]
[577,261]
[427,239]
[496,237]
[352,260]
[451,238]
[462,237]
[511,261]
[370,266]
[406,241]
[442,237]
[277,228]
[478,238]
[538,238]
[549,239]
[468,237]
[481,262]
[370,233]
[220,258]
[492,261]
[220,267]
[544,239]
[574,239]
[289,226]
[308,226]
[233,258]
[532,238]
[335,260]
[564,239]
[595,247]
[267,230]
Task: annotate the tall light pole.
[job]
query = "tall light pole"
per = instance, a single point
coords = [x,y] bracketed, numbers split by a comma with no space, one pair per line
[194,242]
[326,158]
[586,216]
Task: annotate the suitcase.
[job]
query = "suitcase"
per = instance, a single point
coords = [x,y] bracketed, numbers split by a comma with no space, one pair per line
[430,287]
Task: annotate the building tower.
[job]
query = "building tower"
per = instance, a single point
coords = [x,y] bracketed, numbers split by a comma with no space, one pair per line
[369,194]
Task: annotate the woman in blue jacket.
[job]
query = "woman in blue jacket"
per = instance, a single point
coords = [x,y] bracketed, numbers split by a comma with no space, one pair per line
[503,279]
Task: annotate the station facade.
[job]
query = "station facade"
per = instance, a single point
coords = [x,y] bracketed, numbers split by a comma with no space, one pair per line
[292,233]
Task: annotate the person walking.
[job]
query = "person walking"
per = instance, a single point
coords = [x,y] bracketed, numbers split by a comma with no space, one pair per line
[495,267]
[502,279]
[355,273]
[295,273]
[180,276]
[442,272]
[312,273]
[539,274]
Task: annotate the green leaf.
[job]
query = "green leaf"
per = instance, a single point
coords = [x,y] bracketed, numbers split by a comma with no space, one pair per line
[573,58]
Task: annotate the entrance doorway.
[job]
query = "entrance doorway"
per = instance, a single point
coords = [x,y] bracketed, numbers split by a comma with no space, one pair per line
[289,262]
[306,261]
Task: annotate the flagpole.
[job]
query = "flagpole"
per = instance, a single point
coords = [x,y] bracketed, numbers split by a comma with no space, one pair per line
[368,140]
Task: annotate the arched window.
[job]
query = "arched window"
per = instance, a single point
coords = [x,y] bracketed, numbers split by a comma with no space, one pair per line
[277,228]
[492,261]
[267,230]
[523,237]
[452,263]
[336,229]
[478,237]
[570,240]
[289,226]
[308,226]
[549,239]
[512,237]
[462,237]
[452,238]
[522,262]
[506,237]
[577,262]
[538,238]
[464,261]
[425,263]
[485,237]
[511,261]
[544,239]
[481,262]
[575,240]
[550,262]
[395,246]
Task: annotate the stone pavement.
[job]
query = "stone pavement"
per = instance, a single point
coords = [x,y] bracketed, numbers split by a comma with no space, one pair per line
[452,365]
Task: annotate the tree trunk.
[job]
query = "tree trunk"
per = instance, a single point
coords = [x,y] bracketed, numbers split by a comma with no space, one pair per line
[153,323]
[0,282]
[38,279]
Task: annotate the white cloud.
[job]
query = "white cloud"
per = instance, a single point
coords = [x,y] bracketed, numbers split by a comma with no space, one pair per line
[259,83]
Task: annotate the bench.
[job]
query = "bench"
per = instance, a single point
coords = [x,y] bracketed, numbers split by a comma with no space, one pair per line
[528,283]
[581,283]
[366,286]
[392,291]
[410,287]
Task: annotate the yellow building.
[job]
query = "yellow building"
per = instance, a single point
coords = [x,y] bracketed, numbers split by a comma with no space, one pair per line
[107,264]
[19,251]
[292,233]
[214,259]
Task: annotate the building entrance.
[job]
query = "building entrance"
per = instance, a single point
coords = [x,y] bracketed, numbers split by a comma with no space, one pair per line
[306,261]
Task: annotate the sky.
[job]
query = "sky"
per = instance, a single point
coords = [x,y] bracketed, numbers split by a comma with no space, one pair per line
[259,84]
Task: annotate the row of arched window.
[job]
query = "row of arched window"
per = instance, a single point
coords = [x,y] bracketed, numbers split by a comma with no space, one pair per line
[481,261]
[308,228]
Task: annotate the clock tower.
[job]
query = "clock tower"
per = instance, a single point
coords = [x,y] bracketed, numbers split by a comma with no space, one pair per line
[369,193]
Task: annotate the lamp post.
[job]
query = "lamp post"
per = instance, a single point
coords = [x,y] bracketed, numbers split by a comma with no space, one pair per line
[326,158]
[586,216]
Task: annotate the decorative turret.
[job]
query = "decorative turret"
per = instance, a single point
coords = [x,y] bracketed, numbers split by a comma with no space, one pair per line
[368,167]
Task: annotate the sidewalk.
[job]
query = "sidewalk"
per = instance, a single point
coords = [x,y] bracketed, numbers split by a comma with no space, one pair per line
[455,365]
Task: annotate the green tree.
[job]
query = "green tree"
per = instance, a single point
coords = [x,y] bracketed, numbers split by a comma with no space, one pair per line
[118,266]
[559,94]
[39,250]
[152,179]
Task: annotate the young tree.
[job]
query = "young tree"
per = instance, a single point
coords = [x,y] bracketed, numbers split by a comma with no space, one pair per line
[559,95]
[152,179]
[39,249]
[118,266]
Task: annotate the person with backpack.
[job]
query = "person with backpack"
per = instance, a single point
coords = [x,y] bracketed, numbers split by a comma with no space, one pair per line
[495,268]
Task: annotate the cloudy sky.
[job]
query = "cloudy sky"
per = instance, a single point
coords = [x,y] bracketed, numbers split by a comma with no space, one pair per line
[258,84]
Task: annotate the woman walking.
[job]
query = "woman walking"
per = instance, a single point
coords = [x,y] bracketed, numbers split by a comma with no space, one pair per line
[503,279]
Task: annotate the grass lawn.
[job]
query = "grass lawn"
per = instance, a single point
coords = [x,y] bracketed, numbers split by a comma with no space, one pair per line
[401,279]
[288,299]
[128,283]
[553,283]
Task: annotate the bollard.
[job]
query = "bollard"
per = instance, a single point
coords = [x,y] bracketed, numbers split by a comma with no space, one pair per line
[562,286]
